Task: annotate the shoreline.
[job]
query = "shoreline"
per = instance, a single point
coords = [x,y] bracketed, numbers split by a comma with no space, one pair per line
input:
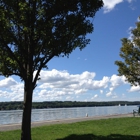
[8,127]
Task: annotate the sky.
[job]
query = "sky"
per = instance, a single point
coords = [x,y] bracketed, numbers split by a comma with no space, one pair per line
[90,74]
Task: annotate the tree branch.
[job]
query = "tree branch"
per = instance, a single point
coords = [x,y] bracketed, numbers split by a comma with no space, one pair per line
[40,67]
[11,54]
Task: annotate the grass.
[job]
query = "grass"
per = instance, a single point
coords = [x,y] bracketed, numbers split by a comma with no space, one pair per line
[106,129]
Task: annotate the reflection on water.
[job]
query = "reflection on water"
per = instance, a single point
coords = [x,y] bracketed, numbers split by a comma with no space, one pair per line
[12,116]
[15,116]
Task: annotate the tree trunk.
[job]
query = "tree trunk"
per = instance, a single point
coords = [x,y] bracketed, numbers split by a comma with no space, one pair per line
[27,107]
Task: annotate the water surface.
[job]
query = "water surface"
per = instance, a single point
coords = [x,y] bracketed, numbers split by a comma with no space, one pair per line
[15,116]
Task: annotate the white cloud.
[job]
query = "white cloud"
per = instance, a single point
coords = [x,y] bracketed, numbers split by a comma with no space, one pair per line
[130,33]
[18,97]
[7,82]
[117,81]
[11,89]
[79,91]
[17,92]
[61,85]
[3,93]
[111,89]
[109,5]
[134,89]
[109,94]
[112,95]
[101,83]
[138,19]
[94,97]
[101,91]
[50,95]
[69,98]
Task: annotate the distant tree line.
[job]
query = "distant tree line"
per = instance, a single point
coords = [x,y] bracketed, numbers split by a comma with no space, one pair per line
[14,105]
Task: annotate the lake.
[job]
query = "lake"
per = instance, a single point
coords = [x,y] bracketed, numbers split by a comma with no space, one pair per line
[15,116]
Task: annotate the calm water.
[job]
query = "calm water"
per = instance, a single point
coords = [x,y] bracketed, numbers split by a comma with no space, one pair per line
[15,116]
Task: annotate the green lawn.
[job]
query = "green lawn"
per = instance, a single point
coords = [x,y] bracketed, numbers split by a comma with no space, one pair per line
[106,129]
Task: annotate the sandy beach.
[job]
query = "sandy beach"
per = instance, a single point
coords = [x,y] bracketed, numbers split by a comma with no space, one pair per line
[9,127]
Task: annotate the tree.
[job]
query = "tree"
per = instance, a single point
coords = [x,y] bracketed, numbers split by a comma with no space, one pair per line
[32,32]
[130,53]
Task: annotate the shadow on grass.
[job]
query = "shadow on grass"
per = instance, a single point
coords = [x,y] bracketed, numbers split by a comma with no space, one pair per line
[94,137]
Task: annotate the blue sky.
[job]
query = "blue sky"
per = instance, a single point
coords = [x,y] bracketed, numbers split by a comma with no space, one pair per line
[90,74]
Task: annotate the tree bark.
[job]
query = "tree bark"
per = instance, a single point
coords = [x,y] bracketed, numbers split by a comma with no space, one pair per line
[27,108]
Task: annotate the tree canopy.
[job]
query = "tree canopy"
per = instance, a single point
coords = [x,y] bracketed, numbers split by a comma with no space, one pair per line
[35,31]
[130,53]
[32,32]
